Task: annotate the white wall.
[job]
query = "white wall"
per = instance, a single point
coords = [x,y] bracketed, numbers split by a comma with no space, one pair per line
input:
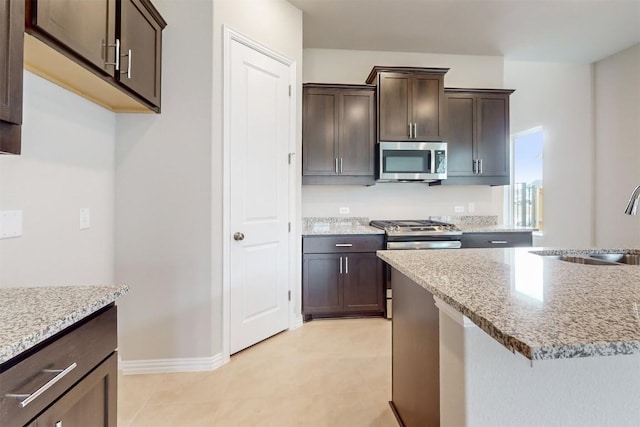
[558,97]
[393,200]
[66,164]
[163,200]
[617,126]
[169,181]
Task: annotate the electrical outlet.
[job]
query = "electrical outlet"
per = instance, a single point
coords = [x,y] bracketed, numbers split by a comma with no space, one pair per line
[471,207]
[85,218]
[459,209]
[344,210]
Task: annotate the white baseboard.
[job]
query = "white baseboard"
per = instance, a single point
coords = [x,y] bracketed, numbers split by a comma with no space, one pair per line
[296,322]
[163,366]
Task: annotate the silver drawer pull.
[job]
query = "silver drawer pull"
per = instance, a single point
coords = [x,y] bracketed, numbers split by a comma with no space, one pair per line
[498,242]
[25,399]
[344,245]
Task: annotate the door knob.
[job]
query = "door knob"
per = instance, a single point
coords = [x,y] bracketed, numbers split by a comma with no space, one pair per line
[238,236]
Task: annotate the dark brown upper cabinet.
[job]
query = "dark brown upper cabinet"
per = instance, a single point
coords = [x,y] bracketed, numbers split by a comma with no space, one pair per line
[11,50]
[108,51]
[338,134]
[410,103]
[478,136]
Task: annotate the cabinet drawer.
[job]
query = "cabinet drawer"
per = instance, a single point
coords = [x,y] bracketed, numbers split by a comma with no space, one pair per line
[85,346]
[343,243]
[496,240]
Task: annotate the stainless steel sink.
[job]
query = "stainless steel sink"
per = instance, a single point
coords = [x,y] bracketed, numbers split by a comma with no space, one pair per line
[598,259]
[584,260]
[631,259]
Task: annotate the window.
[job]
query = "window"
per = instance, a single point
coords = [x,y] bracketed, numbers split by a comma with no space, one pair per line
[526,189]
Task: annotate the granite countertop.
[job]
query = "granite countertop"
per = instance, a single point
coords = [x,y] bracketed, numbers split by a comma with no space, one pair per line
[541,307]
[319,226]
[28,316]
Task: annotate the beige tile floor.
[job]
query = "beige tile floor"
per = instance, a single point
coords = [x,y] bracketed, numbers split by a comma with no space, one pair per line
[326,373]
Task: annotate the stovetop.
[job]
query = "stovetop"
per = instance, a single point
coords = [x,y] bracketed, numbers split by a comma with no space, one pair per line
[416,227]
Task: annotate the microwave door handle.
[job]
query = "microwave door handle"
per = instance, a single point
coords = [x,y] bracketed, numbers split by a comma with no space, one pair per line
[433,162]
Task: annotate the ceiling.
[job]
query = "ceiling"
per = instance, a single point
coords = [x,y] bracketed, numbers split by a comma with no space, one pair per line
[582,31]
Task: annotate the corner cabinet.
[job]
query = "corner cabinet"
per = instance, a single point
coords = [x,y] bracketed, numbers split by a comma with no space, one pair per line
[11,52]
[477,136]
[108,51]
[410,103]
[342,276]
[338,134]
[68,380]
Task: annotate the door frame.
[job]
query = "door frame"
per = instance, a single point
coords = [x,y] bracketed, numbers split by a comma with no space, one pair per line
[230,35]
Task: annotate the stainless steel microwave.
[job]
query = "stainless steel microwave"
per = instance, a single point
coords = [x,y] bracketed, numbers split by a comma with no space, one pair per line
[411,161]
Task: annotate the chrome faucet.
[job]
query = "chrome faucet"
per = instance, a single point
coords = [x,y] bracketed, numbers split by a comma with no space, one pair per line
[632,206]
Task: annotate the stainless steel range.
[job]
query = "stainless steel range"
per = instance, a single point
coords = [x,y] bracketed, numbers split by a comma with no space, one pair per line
[417,234]
[420,234]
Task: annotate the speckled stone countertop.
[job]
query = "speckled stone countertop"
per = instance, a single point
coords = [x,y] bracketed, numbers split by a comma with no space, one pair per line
[494,229]
[318,226]
[541,307]
[28,316]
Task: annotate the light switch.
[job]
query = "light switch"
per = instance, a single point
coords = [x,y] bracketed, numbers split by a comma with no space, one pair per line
[10,224]
[85,218]
[471,207]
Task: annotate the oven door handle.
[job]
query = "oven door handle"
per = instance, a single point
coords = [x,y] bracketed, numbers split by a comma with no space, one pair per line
[427,244]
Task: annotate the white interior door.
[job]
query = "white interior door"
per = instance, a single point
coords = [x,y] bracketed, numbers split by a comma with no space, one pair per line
[259,137]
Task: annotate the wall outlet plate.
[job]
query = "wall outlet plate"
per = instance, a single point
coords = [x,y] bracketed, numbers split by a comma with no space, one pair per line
[459,209]
[85,218]
[344,210]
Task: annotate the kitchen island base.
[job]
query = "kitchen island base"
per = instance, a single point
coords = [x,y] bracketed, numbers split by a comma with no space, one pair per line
[449,372]
[484,384]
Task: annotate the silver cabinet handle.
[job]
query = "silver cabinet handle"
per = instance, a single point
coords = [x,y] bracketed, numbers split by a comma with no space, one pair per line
[410,131]
[415,130]
[25,399]
[340,265]
[117,46]
[238,236]
[346,265]
[498,242]
[336,166]
[130,56]
[480,165]
[340,165]
[475,169]
[344,245]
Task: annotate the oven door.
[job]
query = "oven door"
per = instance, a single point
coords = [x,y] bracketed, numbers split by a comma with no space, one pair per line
[412,161]
[426,244]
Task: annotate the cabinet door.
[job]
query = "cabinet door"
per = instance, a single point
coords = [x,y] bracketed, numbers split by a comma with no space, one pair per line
[493,135]
[321,283]
[357,128]
[460,134]
[426,98]
[394,100]
[91,402]
[11,53]
[320,132]
[363,283]
[84,27]
[141,48]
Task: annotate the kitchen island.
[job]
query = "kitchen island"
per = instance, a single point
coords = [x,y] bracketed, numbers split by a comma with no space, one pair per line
[502,337]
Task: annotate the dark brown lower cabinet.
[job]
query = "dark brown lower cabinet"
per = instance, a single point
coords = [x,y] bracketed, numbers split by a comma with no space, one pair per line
[340,282]
[92,402]
[504,239]
[70,380]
